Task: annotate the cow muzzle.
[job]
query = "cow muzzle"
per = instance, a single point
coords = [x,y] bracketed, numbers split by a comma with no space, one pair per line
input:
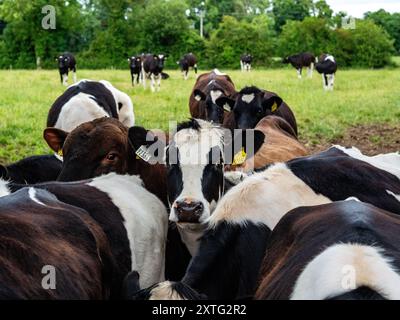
[188,211]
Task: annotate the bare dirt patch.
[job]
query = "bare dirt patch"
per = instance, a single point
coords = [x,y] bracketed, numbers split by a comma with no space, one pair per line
[370,139]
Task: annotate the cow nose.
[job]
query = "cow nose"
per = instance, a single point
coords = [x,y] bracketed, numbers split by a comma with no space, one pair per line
[189,211]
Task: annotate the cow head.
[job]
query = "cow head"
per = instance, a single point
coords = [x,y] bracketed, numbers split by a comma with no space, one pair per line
[286,60]
[250,106]
[135,62]
[97,147]
[63,61]
[213,111]
[159,60]
[195,160]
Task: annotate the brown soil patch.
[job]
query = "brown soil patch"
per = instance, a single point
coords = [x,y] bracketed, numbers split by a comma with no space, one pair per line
[370,139]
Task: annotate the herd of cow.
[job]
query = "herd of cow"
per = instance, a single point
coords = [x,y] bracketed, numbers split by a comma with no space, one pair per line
[230,205]
[151,66]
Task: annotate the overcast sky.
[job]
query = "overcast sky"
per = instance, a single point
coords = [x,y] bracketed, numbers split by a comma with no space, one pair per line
[356,8]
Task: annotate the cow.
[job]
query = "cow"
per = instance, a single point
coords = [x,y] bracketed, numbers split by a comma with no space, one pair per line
[152,68]
[106,145]
[92,234]
[88,100]
[327,66]
[189,60]
[280,145]
[238,230]
[66,62]
[32,169]
[207,89]
[301,60]
[328,244]
[135,65]
[252,104]
[245,62]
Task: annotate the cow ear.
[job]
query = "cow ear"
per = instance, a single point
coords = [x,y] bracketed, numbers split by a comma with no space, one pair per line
[129,60]
[146,145]
[166,56]
[55,138]
[243,145]
[3,172]
[272,103]
[199,95]
[226,103]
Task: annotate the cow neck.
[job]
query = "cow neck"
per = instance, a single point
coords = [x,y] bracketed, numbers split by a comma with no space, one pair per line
[154,177]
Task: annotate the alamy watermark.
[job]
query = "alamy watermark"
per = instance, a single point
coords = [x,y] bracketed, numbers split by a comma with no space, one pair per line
[49,279]
[49,20]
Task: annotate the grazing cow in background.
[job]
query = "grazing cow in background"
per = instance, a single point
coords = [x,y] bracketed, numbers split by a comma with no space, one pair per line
[245,62]
[152,68]
[88,100]
[250,105]
[135,65]
[301,60]
[32,170]
[187,61]
[327,66]
[323,245]
[66,63]
[93,232]
[242,221]
[280,145]
[207,89]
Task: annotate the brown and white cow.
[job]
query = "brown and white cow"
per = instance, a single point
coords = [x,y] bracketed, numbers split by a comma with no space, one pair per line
[250,105]
[207,89]
[231,251]
[87,235]
[341,250]
[280,145]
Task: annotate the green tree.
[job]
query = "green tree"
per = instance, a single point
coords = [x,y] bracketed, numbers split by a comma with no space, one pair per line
[234,37]
[390,22]
[285,10]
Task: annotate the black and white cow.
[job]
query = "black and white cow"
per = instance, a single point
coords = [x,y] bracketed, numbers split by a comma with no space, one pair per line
[245,62]
[327,66]
[189,60]
[93,232]
[152,68]
[252,104]
[88,100]
[301,60]
[66,63]
[341,250]
[32,170]
[135,65]
[231,251]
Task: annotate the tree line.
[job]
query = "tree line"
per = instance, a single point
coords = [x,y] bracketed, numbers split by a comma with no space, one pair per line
[103,33]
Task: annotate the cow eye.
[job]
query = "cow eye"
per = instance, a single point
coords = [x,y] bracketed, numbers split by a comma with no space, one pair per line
[111,156]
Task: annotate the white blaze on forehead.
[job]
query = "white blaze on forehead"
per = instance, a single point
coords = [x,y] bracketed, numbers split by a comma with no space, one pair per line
[331,58]
[215,94]
[248,97]
[161,56]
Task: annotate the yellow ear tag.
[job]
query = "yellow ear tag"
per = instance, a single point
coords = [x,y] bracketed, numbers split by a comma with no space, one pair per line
[60,153]
[274,107]
[239,158]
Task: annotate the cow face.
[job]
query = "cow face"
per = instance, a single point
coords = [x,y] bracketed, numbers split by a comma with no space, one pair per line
[94,148]
[135,62]
[159,60]
[195,160]
[63,61]
[213,111]
[250,106]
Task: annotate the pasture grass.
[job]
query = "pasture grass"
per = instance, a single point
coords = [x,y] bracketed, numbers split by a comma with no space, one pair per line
[360,97]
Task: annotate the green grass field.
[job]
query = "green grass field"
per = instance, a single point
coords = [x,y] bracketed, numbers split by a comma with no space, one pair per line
[360,97]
